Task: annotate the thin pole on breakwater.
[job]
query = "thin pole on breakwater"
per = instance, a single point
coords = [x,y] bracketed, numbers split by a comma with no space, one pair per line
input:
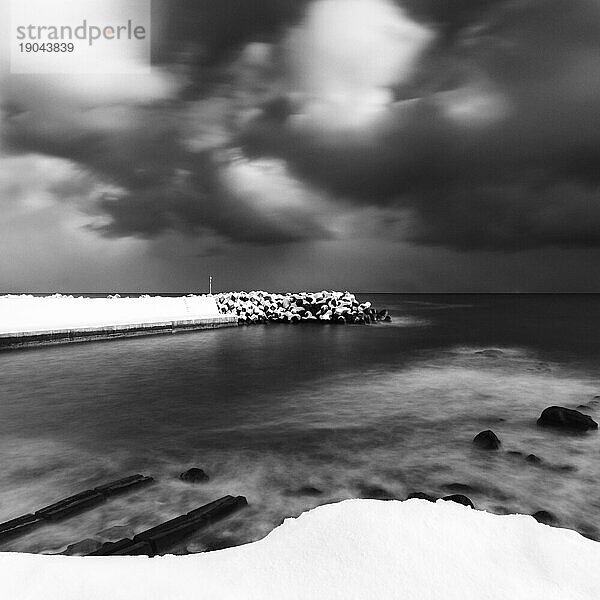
[210,285]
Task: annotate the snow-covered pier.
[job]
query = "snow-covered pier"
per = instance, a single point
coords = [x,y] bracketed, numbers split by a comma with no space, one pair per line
[36,321]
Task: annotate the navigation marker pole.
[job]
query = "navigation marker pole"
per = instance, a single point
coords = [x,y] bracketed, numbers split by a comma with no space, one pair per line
[210,285]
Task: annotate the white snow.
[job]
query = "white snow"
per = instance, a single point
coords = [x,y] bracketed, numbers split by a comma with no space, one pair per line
[357,549]
[23,313]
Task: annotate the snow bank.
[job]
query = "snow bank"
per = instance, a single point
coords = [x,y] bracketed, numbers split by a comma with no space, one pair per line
[19,314]
[365,549]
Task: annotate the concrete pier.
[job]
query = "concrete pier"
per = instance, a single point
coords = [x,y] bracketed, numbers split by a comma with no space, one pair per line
[28,339]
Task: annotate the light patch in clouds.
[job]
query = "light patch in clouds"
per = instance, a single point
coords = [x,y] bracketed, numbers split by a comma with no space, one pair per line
[346,57]
[277,197]
[473,105]
[32,182]
[45,243]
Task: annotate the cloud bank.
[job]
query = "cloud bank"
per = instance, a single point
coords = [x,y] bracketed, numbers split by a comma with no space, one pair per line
[470,125]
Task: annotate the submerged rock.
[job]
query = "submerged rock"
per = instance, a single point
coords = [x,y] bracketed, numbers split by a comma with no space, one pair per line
[459,487]
[194,475]
[487,440]
[533,459]
[460,499]
[309,490]
[566,418]
[375,492]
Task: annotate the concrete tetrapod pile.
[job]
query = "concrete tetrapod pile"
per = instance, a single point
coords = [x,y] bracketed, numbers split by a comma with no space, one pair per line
[327,307]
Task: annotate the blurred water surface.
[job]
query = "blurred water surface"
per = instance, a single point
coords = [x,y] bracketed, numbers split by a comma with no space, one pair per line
[269,410]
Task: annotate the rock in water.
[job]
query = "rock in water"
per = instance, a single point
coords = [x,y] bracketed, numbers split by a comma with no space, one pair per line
[487,440]
[460,499]
[533,459]
[194,475]
[566,418]
[544,516]
[328,307]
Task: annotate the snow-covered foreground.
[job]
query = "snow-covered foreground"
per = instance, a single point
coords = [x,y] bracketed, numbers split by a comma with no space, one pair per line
[22,313]
[355,549]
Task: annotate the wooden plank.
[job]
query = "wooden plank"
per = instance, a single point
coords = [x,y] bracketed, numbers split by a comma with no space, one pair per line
[18,526]
[71,505]
[161,538]
[123,485]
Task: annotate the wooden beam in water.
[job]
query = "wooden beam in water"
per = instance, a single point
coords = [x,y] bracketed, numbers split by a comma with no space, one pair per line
[123,485]
[18,526]
[159,539]
[70,506]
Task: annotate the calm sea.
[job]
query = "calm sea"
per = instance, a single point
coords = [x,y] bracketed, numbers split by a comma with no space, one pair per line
[268,411]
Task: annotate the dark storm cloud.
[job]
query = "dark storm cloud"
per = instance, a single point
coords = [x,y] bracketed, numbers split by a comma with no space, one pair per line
[489,140]
[493,142]
[210,30]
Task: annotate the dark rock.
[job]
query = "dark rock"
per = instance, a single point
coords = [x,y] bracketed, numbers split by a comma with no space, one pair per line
[308,490]
[421,496]
[194,475]
[460,499]
[533,459]
[566,418]
[515,453]
[82,548]
[487,440]
[544,516]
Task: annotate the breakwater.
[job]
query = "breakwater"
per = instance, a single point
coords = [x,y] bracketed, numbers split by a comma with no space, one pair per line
[325,306]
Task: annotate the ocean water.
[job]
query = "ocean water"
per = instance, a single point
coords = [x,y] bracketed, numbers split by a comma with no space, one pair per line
[268,411]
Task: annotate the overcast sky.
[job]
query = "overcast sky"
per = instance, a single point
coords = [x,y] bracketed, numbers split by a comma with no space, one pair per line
[370,145]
